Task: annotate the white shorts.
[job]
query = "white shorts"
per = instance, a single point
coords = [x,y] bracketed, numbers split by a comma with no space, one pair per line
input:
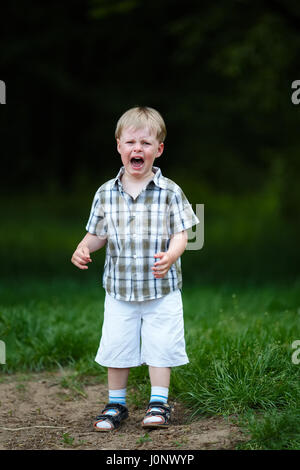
[149,332]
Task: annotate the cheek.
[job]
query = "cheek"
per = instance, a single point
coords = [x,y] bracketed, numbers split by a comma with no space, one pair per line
[123,151]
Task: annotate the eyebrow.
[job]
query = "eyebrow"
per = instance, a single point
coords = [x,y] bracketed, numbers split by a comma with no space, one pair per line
[133,138]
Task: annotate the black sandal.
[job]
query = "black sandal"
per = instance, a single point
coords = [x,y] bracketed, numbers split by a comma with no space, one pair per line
[114,420]
[163,412]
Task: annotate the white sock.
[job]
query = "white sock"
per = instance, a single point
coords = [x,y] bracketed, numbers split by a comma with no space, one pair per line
[159,394]
[117,396]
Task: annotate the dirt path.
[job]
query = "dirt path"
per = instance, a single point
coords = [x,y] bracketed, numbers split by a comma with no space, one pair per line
[58,417]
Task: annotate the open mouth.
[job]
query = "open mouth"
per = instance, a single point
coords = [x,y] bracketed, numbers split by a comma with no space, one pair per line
[137,162]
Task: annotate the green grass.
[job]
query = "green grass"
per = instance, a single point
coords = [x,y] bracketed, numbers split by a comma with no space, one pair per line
[50,324]
[273,430]
[238,341]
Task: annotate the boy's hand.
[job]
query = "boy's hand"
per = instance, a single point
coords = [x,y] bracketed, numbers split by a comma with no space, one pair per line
[161,267]
[81,257]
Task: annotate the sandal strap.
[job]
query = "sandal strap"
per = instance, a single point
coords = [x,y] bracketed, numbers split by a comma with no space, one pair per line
[165,410]
[122,413]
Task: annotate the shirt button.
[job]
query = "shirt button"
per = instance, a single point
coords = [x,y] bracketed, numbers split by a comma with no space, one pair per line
[134,256]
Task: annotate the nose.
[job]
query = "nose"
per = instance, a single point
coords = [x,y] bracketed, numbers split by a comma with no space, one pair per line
[137,147]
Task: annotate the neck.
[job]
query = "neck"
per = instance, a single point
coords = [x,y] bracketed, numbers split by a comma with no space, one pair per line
[131,179]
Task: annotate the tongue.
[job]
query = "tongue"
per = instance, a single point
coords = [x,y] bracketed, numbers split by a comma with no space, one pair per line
[138,164]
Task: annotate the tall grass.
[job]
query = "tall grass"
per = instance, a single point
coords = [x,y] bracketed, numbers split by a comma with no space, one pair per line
[241,361]
[240,346]
[49,324]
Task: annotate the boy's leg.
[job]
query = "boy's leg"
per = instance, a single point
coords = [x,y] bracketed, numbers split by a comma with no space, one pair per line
[117,384]
[160,376]
[160,381]
[158,413]
[117,378]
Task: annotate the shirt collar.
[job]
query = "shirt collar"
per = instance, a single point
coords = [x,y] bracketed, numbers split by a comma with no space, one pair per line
[158,178]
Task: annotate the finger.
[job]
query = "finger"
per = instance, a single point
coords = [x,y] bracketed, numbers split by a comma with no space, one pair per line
[86,253]
[79,265]
[159,273]
[79,259]
[158,263]
[160,266]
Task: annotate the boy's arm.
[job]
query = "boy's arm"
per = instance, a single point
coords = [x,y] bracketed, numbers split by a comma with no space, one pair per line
[177,245]
[88,244]
[176,248]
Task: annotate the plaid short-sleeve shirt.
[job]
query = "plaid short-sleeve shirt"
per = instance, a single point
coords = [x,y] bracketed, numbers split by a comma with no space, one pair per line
[137,229]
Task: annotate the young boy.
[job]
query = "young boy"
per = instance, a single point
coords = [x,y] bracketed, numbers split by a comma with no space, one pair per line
[143,218]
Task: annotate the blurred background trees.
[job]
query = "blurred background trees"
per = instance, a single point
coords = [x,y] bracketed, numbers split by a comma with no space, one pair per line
[219,72]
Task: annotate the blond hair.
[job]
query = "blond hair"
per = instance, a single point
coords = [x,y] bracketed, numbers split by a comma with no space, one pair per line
[142,116]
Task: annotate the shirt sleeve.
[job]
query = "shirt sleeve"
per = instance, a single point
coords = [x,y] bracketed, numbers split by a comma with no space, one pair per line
[97,223]
[181,214]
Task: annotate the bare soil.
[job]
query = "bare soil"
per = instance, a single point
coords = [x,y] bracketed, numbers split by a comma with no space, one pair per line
[39,411]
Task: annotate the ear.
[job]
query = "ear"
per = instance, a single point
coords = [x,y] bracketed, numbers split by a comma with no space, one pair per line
[160,149]
[118,145]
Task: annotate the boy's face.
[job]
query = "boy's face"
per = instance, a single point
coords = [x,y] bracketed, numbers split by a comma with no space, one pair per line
[138,149]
